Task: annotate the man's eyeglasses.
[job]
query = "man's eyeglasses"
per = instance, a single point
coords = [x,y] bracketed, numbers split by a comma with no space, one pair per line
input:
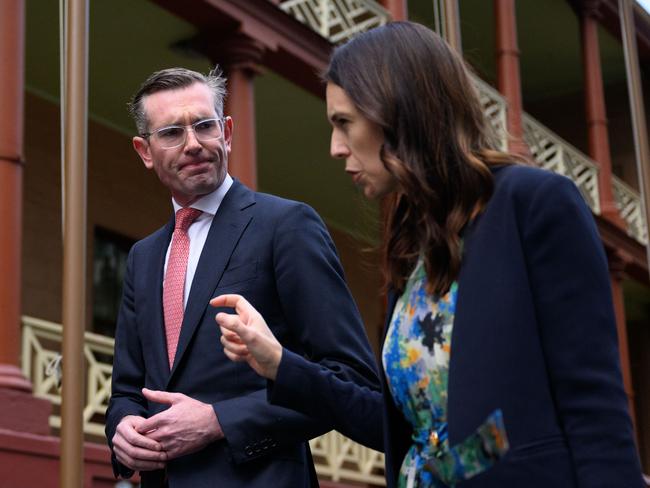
[173,136]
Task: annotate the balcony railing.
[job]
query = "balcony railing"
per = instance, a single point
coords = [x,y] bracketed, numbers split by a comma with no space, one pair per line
[553,153]
[494,107]
[41,348]
[336,457]
[548,149]
[337,20]
[629,204]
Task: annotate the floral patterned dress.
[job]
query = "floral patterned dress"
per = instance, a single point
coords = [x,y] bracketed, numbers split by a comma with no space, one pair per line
[416,361]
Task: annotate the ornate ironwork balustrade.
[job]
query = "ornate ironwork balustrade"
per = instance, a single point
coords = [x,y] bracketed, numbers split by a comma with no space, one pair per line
[337,20]
[553,153]
[494,107]
[336,457]
[629,204]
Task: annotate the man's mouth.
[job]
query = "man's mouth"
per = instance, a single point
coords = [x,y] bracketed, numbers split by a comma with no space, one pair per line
[193,165]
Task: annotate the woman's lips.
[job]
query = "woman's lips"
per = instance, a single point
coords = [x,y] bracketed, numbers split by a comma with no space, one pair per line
[356,177]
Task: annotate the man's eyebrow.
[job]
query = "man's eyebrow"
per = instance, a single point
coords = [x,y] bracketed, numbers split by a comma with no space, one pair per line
[179,121]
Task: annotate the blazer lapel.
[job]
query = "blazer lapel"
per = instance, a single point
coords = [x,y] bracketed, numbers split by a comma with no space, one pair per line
[155,272]
[227,227]
[457,396]
[391,300]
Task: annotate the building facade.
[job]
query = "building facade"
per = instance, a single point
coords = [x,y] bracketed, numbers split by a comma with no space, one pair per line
[552,80]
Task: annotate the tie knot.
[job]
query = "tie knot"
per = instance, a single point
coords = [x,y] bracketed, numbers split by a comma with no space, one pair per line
[185,216]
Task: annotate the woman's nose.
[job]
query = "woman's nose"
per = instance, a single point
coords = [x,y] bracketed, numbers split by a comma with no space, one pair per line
[338,148]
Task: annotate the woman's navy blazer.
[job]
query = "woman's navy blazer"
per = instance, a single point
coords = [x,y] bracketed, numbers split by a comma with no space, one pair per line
[535,335]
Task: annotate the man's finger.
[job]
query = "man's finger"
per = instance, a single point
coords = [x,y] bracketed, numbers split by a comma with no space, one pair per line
[137,464]
[137,454]
[127,435]
[152,424]
[158,435]
[135,438]
[147,466]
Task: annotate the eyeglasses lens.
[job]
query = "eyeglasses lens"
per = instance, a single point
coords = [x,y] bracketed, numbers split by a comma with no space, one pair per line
[174,136]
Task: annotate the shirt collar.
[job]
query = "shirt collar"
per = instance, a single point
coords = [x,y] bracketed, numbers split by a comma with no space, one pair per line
[209,204]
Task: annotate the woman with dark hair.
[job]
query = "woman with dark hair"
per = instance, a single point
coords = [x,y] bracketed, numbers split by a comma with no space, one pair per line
[496,261]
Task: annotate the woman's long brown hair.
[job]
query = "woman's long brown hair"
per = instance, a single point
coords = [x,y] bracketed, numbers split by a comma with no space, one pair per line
[438,144]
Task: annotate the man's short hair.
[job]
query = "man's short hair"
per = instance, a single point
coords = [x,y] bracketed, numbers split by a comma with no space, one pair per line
[171,79]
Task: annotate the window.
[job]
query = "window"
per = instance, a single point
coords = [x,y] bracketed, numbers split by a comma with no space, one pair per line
[109,267]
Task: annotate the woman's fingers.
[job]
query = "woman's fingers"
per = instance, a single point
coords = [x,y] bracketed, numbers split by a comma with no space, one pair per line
[229,321]
[246,333]
[234,347]
[235,357]
[238,302]
[245,336]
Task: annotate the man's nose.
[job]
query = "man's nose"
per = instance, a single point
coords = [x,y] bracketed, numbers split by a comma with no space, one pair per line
[192,144]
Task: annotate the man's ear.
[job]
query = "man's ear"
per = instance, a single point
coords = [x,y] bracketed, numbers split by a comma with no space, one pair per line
[142,147]
[227,131]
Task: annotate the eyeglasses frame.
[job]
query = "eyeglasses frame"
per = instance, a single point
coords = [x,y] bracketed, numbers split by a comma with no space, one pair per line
[220,121]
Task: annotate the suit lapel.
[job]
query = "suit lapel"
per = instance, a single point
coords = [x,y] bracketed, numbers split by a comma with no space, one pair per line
[227,227]
[156,268]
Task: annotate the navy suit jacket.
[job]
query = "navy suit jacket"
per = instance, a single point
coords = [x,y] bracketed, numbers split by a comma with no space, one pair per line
[534,335]
[278,254]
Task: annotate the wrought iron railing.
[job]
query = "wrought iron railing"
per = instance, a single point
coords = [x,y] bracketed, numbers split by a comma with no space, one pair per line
[553,153]
[494,108]
[41,349]
[337,20]
[340,459]
[336,457]
[629,205]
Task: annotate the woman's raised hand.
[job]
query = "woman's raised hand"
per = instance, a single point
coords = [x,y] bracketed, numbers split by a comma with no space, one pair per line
[246,337]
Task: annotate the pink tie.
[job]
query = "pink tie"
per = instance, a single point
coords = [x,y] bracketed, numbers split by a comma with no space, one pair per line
[174,284]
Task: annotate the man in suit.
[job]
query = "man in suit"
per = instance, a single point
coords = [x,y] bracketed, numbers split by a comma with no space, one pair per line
[180,412]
